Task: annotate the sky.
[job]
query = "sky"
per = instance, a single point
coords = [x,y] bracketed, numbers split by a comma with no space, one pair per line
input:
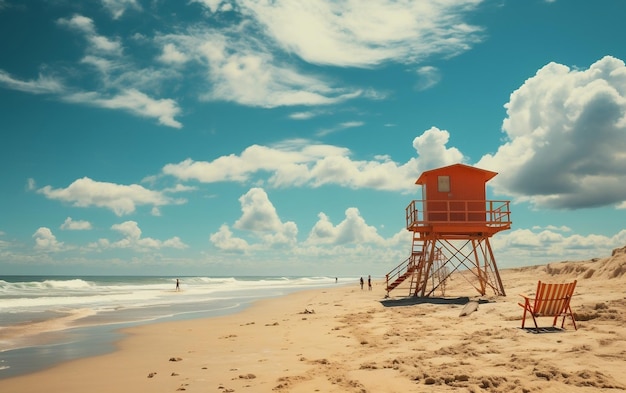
[255,137]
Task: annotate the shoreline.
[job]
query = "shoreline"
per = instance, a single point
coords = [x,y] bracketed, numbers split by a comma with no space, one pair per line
[344,339]
[83,333]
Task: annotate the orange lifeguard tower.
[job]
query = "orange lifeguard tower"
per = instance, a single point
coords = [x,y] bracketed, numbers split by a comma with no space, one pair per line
[451,228]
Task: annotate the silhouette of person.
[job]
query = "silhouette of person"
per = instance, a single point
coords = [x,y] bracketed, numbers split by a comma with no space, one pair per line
[369,282]
[177,285]
[361,283]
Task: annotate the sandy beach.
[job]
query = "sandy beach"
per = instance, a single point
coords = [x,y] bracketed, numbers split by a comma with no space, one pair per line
[344,339]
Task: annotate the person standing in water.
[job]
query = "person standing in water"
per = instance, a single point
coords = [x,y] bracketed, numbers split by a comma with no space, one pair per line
[177,285]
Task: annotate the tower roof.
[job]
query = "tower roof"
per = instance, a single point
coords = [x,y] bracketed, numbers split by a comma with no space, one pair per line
[486,175]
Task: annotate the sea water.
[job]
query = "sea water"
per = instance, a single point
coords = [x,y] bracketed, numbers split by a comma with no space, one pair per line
[45,320]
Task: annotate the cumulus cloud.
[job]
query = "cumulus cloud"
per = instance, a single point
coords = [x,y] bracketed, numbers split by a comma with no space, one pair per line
[171,55]
[352,230]
[132,239]
[520,247]
[72,225]
[260,220]
[121,199]
[306,163]
[224,240]
[46,241]
[260,217]
[566,138]
[432,151]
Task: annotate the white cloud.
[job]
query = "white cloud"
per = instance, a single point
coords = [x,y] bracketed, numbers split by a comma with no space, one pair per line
[242,69]
[340,127]
[428,77]
[80,23]
[245,62]
[432,151]
[562,228]
[224,240]
[121,83]
[117,8]
[46,241]
[134,101]
[303,115]
[257,61]
[72,225]
[566,138]
[352,230]
[131,100]
[259,220]
[171,55]
[42,85]
[523,247]
[353,33]
[121,199]
[305,163]
[259,216]
[132,239]
[212,5]
[98,43]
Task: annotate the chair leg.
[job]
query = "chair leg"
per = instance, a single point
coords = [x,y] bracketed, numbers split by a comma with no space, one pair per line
[535,320]
[571,314]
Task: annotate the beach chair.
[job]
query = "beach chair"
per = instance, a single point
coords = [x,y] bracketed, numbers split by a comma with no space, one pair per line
[551,300]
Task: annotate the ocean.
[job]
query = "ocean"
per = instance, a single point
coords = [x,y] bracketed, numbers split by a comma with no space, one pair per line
[45,320]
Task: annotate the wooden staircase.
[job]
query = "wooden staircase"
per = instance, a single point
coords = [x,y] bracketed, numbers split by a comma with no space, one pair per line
[425,268]
[398,275]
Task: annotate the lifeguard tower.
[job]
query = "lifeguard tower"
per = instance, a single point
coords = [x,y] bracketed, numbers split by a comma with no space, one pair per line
[451,226]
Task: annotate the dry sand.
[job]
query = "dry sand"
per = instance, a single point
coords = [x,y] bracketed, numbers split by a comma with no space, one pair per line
[345,339]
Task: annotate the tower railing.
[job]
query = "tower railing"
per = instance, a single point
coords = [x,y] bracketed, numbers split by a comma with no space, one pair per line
[490,214]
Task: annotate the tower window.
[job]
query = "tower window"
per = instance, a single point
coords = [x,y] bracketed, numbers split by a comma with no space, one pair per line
[443,183]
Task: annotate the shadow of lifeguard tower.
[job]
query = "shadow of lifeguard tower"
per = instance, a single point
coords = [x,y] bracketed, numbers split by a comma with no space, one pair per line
[451,229]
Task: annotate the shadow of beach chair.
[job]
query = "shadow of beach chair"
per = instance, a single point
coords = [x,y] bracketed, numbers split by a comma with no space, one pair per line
[550,300]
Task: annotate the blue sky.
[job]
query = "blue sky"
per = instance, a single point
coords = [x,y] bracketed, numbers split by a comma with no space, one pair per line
[253,137]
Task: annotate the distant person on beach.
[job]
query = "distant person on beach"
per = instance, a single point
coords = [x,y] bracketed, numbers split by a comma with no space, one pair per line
[177,285]
[335,280]
[361,283]
[369,282]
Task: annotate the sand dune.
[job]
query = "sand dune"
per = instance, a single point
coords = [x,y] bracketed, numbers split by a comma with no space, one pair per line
[346,339]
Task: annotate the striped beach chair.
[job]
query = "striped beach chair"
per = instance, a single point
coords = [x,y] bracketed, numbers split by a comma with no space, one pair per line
[550,300]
